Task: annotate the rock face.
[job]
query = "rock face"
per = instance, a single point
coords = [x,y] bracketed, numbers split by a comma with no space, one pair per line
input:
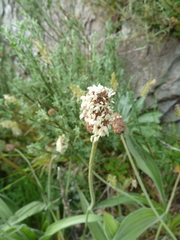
[160,61]
[144,60]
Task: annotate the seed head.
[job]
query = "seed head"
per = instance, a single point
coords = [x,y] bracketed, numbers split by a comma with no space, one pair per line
[96,111]
[118,124]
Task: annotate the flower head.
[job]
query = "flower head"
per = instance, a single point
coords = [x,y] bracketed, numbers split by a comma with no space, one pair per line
[96,111]
[118,124]
[62,144]
[13,126]
[9,99]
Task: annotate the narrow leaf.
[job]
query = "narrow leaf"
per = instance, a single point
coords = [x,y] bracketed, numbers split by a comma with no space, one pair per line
[133,198]
[146,163]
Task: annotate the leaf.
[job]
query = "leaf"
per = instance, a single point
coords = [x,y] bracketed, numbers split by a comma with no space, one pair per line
[5,211]
[133,198]
[9,203]
[139,104]
[25,212]
[110,225]
[67,222]
[125,106]
[146,163]
[135,224]
[174,225]
[150,117]
[21,232]
[96,228]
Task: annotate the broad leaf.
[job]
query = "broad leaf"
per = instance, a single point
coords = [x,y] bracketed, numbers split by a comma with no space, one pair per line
[67,222]
[21,232]
[5,211]
[110,225]
[135,224]
[96,228]
[25,212]
[146,163]
[150,117]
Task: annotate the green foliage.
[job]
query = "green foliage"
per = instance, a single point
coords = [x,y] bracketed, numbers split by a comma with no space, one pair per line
[44,103]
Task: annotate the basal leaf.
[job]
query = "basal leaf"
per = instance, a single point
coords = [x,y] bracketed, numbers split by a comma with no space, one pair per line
[95,228]
[67,222]
[135,224]
[110,225]
[146,163]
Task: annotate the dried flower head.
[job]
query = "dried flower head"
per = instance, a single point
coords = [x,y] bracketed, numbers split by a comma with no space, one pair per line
[96,111]
[62,144]
[10,147]
[51,111]
[118,124]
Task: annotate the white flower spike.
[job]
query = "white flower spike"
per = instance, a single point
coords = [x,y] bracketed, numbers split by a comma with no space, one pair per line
[96,111]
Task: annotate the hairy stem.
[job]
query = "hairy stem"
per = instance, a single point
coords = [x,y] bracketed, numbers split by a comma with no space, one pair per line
[90,181]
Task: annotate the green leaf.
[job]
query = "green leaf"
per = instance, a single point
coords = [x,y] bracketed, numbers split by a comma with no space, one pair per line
[25,212]
[125,106]
[139,104]
[9,202]
[5,211]
[67,222]
[21,232]
[175,224]
[96,228]
[150,117]
[135,224]
[133,198]
[146,163]
[110,225]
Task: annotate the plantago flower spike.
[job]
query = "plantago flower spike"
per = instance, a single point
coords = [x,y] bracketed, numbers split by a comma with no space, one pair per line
[96,111]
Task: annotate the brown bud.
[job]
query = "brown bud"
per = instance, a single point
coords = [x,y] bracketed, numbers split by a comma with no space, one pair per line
[51,111]
[118,124]
[10,147]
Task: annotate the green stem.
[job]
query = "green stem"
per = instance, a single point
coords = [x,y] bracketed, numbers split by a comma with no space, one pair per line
[91,187]
[113,187]
[169,204]
[90,175]
[144,189]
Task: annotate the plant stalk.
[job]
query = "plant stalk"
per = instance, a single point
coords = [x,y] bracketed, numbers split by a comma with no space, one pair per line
[91,187]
